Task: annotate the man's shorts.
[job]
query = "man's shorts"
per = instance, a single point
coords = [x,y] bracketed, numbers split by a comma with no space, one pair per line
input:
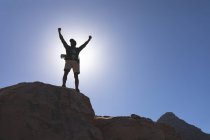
[72,64]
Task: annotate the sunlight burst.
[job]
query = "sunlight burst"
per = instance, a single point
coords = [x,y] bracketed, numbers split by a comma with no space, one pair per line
[91,58]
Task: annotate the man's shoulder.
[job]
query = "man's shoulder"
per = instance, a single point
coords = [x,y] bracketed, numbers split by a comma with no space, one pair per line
[78,49]
[67,46]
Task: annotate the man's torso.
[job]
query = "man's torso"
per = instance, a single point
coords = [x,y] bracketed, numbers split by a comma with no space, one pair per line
[72,53]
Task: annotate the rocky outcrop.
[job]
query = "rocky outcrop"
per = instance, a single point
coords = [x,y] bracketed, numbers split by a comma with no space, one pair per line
[38,111]
[187,131]
[134,128]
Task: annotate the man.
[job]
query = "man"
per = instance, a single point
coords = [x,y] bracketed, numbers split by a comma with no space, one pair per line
[72,59]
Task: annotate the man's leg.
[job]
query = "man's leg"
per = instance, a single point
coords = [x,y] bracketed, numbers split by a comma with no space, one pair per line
[66,72]
[76,77]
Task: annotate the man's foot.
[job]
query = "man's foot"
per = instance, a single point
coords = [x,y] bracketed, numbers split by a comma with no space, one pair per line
[64,86]
[77,90]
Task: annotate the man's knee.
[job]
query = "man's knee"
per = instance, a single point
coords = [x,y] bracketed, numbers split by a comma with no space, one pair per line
[66,71]
[76,75]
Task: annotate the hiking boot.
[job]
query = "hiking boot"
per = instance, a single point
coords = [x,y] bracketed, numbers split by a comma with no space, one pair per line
[64,86]
[77,90]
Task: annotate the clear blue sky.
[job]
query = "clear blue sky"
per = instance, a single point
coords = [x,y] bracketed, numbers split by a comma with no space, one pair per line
[146,57]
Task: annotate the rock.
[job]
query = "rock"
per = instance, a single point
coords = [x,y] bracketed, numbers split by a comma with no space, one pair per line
[170,132]
[134,116]
[38,111]
[134,128]
[187,131]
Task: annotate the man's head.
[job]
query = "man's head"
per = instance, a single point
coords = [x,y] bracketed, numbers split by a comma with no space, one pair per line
[73,42]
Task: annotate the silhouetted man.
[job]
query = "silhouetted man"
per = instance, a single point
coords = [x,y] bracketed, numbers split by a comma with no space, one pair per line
[72,59]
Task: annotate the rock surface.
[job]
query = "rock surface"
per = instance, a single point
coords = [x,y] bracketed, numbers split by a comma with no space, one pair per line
[38,111]
[134,128]
[187,131]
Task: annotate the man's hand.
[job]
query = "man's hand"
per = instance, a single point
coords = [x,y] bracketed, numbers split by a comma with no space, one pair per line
[90,37]
[59,29]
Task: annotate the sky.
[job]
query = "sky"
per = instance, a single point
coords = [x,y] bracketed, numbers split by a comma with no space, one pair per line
[146,57]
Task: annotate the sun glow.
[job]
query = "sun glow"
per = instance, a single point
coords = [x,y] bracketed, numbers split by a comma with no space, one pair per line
[91,57]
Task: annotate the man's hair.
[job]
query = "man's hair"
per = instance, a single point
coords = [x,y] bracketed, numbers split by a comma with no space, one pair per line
[73,42]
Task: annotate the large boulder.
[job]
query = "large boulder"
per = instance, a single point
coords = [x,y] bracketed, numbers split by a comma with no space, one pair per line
[38,111]
[134,128]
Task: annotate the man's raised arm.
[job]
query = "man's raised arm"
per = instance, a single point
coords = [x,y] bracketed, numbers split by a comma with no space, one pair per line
[84,45]
[61,38]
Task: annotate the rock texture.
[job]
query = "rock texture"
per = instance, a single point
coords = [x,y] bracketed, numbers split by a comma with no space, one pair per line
[134,128]
[38,111]
[187,131]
